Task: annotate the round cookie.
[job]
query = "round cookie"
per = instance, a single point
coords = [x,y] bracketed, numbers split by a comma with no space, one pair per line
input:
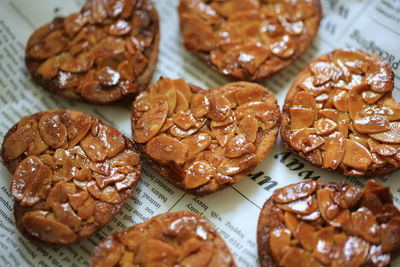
[329,224]
[339,114]
[103,54]
[71,175]
[249,39]
[204,140]
[179,238]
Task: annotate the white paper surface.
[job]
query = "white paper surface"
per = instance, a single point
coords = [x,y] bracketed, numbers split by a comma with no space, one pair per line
[373,25]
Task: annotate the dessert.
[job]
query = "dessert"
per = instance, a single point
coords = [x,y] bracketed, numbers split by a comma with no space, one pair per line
[104,53]
[249,39]
[204,140]
[329,224]
[71,175]
[339,114]
[171,239]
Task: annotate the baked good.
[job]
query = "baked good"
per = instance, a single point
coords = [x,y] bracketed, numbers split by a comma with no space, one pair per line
[204,140]
[102,54]
[329,224]
[249,39]
[179,238]
[339,114]
[71,175]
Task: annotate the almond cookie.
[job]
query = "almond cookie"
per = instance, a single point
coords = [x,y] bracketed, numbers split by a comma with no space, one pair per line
[179,238]
[249,39]
[71,175]
[340,115]
[329,224]
[105,53]
[204,140]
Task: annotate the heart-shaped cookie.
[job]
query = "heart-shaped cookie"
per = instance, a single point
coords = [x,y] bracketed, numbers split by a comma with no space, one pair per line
[71,175]
[340,115]
[105,53]
[204,140]
[249,39]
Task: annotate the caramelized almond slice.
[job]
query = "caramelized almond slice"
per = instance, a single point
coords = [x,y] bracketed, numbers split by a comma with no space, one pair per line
[197,143]
[180,133]
[74,23]
[92,91]
[103,181]
[386,150]
[82,63]
[52,44]
[380,80]
[239,146]
[78,129]
[24,175]
[371,202]
[183,88]
[390,235]
[370,97]
[52,130]
[115,142]
[107,76]
[291,222]
[263,111]
[162,252]
[301,118]
[299,137]
[312,142]
[200,105]
[119,27]
[325,126]
[224,133]
[283,46]
[249,94]
[198,174]
[379,190]
[87,209]
[110,252]
[18,142]
[295,256]
[249,127]
[340,100]
[151,121]
[356,61]
[356,103]
[357,156]
[47,229]
[323,244]
[294,192]
[235,166]
[95,147]
[219,108]
[349,197]
[166,88]
[303,206]
[304,99]
[343,220]
[32,194]
[65,215]
[182,103]
[329,113]
[37,146]
[326,205]
[310,217]
[322,71]
[166,149]
[365,225]
[78,199]
[109,194]
[334,150]
[184,120]
[352,251]
[279,242]
[305,234]
[371,124]
[391,136]
[203,255]
[49,68]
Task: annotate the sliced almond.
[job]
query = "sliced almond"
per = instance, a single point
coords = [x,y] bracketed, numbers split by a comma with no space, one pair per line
[340,100]
[279,242]
[390,136]
[249,127]
[328,208]
[365,225]
[166,149]
[357,156]
[52,130]
[198,174]
[239,146]
[301,118]
[197,143]
[294,192]
[200,105]
[323,245]
[303,206]
[305,234]
[325,126]
[250,94]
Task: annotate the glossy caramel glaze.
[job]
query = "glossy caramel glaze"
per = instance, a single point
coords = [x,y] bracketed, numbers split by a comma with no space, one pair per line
[172,239]
[71,175]
[329,224]
[103,54]
[340,115]
[204,140]
[249,39]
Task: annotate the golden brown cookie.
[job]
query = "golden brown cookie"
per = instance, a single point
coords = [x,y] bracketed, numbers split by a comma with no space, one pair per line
[339,114]
[204,140]
[249,39]
[71,175]
[179,238]
[105,53]
[329,224]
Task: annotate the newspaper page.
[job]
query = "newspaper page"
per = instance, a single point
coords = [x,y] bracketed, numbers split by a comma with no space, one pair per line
[372,25]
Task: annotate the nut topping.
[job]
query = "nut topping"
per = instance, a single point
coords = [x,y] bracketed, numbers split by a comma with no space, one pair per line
[172,239]
[335,119]
[249,39]
[99,55]
[224,132]
[355,228]
[69,186]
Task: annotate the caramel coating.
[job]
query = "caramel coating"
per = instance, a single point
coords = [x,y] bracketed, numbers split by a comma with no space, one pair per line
[339,114]
[204,140]
[179,238]
[342,226]
[249,39]
[103,54]
[71,175]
